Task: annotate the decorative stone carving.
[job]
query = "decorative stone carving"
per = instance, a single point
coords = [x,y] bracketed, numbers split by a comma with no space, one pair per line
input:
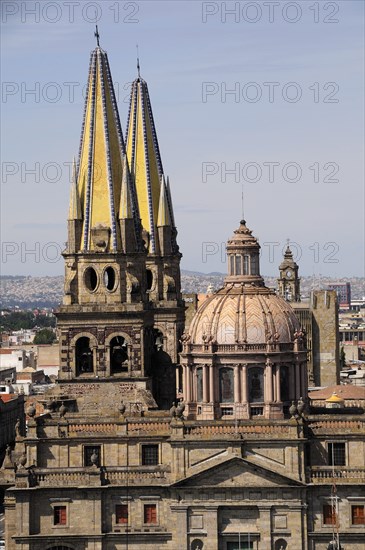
[100,236]
[173,410]
[293,409]
[31,410]
[63,410]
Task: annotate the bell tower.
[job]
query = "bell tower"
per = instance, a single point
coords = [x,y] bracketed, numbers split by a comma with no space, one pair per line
[289,281]
[122,314]
[159,235]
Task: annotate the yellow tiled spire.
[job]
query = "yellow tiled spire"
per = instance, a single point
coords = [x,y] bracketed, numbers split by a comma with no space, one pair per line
[144,158]
[74,212]
[100,156]
[163,208]
[125,207]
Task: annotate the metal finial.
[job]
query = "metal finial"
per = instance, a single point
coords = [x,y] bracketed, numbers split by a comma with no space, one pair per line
[138,66]
[97,35]
[243,204]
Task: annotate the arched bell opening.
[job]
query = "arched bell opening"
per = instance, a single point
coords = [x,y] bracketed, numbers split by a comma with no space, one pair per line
[84,356]
[163,372]
[119,358]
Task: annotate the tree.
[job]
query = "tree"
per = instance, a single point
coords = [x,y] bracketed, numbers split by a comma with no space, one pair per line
[44,336]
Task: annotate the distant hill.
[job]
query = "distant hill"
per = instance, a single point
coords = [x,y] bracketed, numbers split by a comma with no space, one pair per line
[38,292]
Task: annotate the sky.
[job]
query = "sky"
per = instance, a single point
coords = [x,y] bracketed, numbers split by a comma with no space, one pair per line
[258,108]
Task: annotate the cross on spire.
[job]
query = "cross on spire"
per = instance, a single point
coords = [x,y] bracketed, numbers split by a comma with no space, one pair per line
[138,66]
[97,35]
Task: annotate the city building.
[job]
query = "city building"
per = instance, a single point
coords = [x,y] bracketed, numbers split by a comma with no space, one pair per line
[343,292]
[23,336]
[17,358]
[114,462]
[48,359]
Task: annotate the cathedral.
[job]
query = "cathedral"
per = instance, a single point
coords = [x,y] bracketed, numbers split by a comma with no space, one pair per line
[160,437]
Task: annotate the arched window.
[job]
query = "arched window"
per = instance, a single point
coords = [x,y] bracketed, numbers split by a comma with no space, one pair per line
[199,384]
[231,265]
[238,265]
[256,385]
[284,383]
[281,544]
[246,264]
[254,265]
[118,355]
[84,356]
[226,385]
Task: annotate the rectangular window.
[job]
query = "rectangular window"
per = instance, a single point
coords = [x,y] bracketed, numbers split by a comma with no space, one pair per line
[231,264]
[149,455]
[150,513]
[121,513]
[92,455]
[336,454]
[329,514]
[358,514]
[246,265]
[59,515]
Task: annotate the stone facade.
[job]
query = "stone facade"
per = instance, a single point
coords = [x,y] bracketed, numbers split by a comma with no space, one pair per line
[265,481]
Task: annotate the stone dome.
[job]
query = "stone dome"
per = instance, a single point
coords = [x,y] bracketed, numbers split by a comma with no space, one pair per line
[240,314]
[245,353]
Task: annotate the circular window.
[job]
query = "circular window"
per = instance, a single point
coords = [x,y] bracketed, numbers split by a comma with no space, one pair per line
[91,279]
[109,278]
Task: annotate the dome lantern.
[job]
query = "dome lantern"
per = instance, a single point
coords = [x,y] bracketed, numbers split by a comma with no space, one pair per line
[243,255]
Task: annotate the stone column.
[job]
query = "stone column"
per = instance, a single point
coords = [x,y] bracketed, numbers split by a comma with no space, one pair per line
[194,385]
[265,526]
[95,359]
[179,525]
[205,384]
[73,363]
[304,380]
[277,383]
[211,523]
[298,517]
[244,392]
[297,380]
[236,375]
[189,383]
[268,397]
[107,371]
[211,384]
[177,376]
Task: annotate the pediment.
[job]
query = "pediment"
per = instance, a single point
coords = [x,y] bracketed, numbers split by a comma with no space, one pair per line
[237,472]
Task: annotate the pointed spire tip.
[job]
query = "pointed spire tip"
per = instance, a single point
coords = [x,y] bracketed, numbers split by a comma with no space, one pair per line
[97,35]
